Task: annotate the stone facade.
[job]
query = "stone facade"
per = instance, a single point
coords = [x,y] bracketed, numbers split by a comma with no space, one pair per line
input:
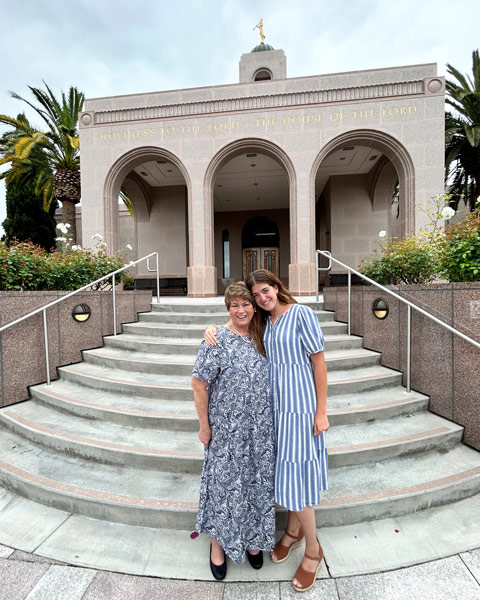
[391,119]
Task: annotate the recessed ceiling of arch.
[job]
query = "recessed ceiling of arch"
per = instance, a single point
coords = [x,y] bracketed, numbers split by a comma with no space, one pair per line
[259,182]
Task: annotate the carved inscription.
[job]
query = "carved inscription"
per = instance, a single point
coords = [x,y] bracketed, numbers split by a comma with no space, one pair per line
[290,122]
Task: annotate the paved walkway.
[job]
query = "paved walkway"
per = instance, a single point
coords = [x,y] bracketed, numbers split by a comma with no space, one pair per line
[27,577]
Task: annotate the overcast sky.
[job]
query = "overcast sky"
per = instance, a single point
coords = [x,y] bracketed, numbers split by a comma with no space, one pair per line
[112,47]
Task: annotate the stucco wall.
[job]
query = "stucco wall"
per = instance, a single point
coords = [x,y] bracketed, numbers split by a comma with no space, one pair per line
[354,223]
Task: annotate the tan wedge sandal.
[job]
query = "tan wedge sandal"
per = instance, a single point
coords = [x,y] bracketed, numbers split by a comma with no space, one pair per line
[307,578]
[282,552]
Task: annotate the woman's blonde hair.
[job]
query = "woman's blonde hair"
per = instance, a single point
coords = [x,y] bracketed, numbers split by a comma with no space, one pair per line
[240,290]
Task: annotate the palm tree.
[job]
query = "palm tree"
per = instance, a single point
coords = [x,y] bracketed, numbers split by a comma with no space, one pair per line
[52,158]
[462,135]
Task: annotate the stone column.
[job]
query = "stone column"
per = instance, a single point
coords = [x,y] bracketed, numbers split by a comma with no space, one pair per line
[201,274]
[302,237]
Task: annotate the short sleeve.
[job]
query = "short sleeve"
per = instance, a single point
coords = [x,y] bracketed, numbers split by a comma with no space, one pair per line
[207,363]
[309,330]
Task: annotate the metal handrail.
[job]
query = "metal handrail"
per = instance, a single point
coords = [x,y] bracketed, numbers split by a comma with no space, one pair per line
[409,304]
[83,288]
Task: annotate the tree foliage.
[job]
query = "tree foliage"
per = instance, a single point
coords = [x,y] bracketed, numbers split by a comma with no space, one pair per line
[462,134]
[26,219]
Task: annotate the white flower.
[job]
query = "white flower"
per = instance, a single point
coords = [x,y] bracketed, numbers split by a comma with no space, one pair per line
[97,236]
[128,247]
[62,227]
[382,233]
[67,225]
[76,247]
[447,212]
[101,245]
[61,239]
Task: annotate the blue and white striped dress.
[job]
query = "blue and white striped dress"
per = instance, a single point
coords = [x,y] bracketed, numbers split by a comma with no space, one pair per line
[302,461]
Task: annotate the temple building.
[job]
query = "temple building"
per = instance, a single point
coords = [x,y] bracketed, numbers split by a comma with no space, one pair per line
[258,174]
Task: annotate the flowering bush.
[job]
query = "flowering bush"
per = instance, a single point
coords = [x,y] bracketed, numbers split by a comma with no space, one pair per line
[460,249]
[410,260]
[24,266]
[452,253]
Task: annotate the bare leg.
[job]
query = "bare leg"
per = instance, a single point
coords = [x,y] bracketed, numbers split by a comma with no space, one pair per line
[306,518]
[218,555]
[293,527]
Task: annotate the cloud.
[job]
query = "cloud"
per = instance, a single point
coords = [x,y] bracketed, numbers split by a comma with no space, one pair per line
[114,47]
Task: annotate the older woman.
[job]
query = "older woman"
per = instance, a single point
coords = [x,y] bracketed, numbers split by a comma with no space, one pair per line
[232,396]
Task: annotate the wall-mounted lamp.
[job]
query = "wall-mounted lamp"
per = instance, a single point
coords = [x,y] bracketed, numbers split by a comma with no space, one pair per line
[81,313]
[380,308]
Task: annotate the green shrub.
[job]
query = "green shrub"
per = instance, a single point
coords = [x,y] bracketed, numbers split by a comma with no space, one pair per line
[410,260]
[460,249]
[24,266]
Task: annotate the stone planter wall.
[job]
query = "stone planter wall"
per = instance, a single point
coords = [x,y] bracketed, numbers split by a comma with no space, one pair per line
[22,347]
[444,367]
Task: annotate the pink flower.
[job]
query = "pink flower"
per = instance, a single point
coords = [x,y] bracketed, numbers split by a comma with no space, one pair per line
[194,534]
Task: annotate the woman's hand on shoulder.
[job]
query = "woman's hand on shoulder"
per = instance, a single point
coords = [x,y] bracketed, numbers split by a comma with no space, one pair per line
[205,435]
[320,423]
[209,335]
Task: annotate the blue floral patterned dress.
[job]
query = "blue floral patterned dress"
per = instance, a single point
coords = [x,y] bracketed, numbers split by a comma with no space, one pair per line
[236,504]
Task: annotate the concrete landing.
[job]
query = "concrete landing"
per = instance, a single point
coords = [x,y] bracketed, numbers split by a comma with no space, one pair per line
[362,548]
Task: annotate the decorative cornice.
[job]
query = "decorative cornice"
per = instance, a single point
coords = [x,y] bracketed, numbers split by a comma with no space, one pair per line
[364,92]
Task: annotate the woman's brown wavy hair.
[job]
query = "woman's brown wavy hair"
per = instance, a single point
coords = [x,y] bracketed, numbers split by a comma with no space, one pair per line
[240,290]
[264,276]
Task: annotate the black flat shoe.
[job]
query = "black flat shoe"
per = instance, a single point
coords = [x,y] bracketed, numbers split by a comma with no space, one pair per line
[256,560]
[218,571]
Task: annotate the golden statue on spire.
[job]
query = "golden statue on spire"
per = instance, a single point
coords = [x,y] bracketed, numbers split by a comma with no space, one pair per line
[259,26]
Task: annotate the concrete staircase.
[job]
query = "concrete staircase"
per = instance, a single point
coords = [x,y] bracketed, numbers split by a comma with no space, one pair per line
[102,467]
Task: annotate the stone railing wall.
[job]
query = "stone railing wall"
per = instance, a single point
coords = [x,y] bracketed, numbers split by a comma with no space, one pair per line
[364,92]
[444,367]
[22,347]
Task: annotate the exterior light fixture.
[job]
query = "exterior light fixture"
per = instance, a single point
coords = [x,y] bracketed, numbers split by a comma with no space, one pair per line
[81,313]
[380,308]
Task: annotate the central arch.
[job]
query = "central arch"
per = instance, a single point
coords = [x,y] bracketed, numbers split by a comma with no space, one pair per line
[231,164]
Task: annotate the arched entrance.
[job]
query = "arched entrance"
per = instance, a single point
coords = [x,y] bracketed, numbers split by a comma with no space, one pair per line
[157,184]
[363,184]
[250,184]
[260,246]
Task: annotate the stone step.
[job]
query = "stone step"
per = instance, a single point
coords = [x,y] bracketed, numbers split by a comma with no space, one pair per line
[205,319]
[180,451]
[190,346]
[202,306]
[178,388]
[153,498]
[197,331]
[171,364]
[180,415]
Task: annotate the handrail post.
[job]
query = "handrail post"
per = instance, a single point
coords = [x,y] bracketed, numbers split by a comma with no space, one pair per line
[409,352]
[316,277]
[158,278]
[114,307]
[349,301]
[45,335]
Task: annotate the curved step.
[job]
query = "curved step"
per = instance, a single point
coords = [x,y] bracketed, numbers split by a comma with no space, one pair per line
[145,343]
[205,319]
[196,331]
[178,388]
[165,364]
[180,451]
[180,415]
[201,305]
[161,499]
